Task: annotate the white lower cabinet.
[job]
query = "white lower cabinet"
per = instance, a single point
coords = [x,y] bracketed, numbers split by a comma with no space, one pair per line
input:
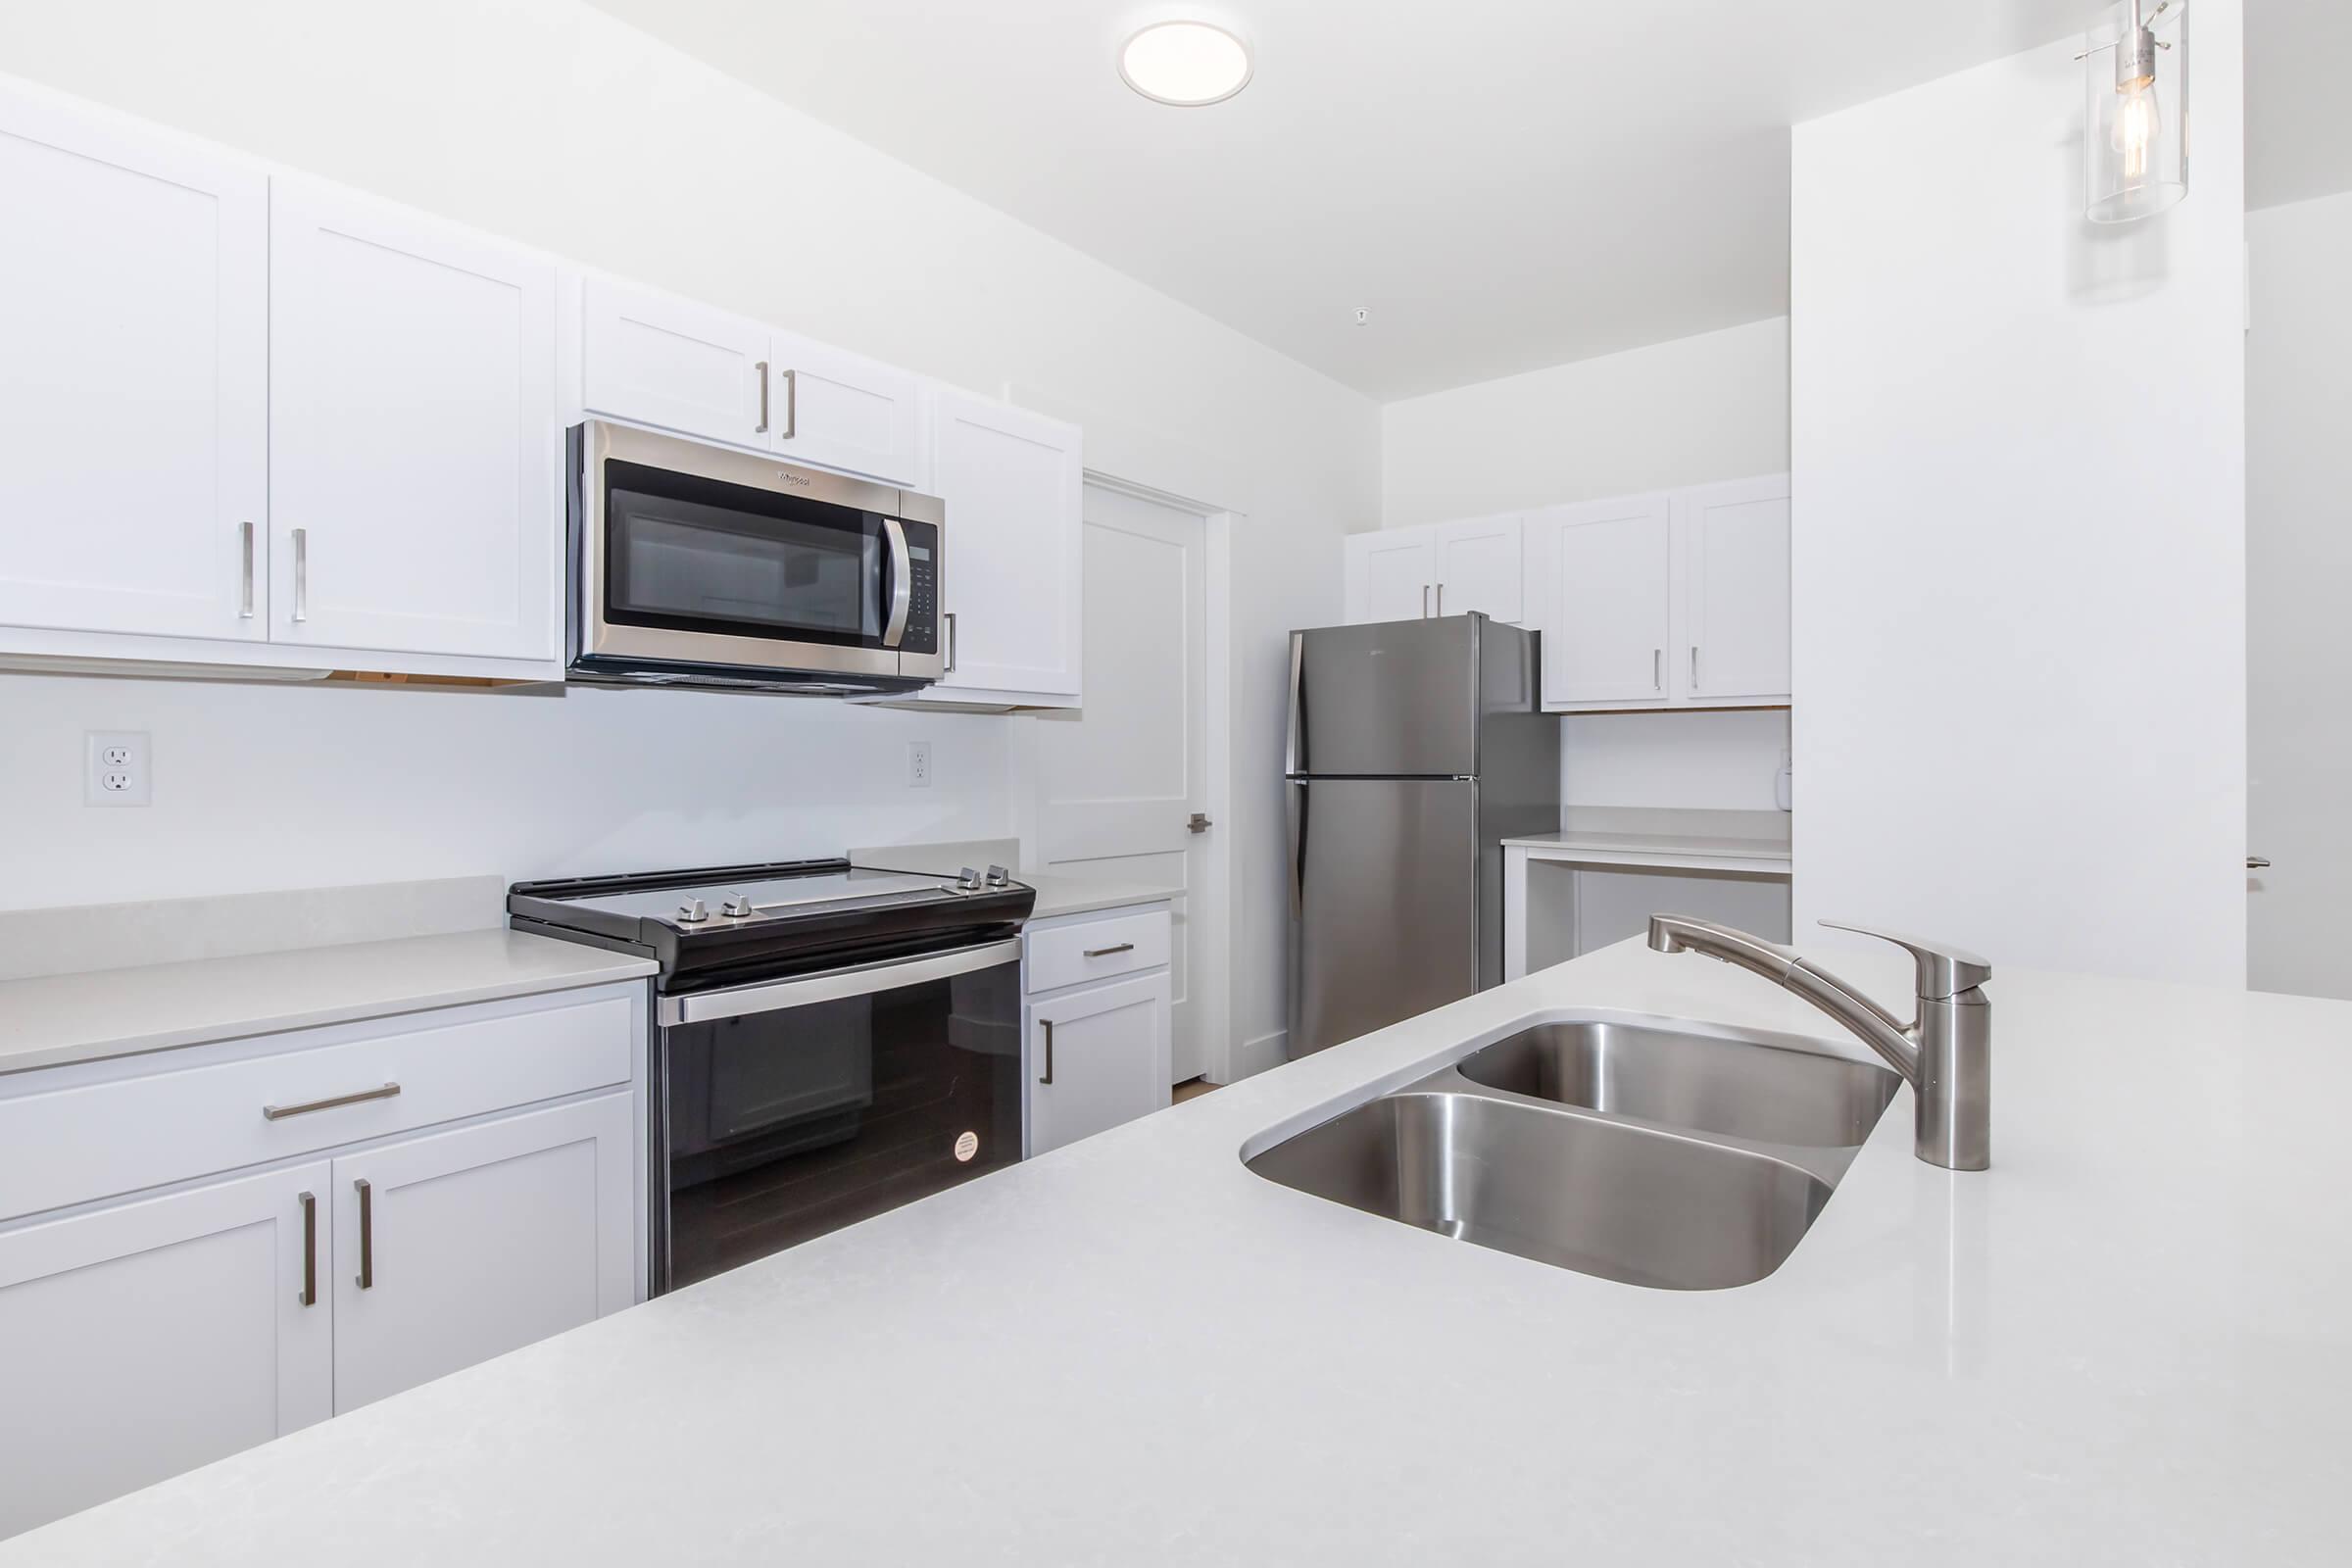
[151,1337]
[158,1315]
[458,1246]
[1096,1028]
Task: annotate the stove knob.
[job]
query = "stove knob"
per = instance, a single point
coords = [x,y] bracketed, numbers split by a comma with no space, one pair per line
[738,908]
[998,876]
[692,912]
[968,880]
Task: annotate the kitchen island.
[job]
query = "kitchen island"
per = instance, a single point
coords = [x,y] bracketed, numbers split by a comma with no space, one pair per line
[2125,1343]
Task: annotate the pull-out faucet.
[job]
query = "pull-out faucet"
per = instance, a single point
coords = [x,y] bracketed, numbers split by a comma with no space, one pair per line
[1945,1055]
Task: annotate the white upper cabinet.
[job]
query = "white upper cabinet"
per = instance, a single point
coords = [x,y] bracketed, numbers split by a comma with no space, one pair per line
[157,1335]
[841,412]
[412,451]
[1736,591]
[133,407]
[652,359]
[1013,553]
[1442,568]
[1604,572]
[1391,574]
[1479,568]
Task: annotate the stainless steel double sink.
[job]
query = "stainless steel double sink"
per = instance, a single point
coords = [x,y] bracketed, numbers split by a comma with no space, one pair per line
[1649,1154]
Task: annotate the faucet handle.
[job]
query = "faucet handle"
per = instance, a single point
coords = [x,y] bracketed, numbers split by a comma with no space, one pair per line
[1944,971]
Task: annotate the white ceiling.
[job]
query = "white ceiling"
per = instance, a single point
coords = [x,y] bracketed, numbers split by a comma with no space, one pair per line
[1504,184]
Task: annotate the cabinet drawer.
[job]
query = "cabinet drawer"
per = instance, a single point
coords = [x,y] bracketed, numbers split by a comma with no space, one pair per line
[88,1140]
[1068,955]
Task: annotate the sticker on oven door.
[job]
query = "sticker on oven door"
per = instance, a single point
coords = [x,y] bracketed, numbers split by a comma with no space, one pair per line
[966,1146]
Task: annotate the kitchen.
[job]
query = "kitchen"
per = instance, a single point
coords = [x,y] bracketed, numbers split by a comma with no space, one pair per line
[380,382]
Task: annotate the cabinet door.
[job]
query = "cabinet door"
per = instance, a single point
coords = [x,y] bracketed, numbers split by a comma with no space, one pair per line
[1736,609]
[1606,581]
[412,443]
[844,411]
[651,358]
[1096,1058]
[1478,567]
[155,1336]
[1013,560]
[133,409]
[1391,574]
[458,1246]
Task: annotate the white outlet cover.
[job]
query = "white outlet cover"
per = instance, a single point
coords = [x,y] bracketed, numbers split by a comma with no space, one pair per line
[116,767]
[918,764]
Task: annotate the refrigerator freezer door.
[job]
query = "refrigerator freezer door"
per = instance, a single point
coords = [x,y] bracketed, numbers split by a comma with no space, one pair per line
[1384,903]
[1394,699]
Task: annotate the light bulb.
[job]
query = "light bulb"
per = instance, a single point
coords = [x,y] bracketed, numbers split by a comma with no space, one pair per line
[2138,121]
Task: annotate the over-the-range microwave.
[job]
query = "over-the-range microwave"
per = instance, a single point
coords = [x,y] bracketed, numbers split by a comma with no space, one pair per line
[695,566]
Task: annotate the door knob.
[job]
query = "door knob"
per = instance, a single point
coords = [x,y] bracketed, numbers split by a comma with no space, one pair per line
[1200,824]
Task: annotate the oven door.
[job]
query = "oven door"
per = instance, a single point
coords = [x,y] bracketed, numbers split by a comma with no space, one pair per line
[792,1108]
[694,556]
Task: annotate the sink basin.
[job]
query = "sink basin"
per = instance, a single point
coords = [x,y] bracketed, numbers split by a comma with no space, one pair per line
[1744,1089]
[1623,1201]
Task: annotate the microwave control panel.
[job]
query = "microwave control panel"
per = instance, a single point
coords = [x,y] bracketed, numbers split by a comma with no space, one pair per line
[923,610]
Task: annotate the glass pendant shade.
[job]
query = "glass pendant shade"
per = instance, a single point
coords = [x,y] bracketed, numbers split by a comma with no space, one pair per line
[2135,110]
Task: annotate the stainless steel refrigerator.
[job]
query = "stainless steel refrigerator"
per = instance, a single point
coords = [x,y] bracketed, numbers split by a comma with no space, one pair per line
[1416,747]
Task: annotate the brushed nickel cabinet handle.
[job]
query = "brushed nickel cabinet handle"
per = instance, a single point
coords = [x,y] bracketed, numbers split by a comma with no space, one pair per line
[331,1102]
[310,1250]
[1440,600]
[1425,601]
[1047,1024]
[1104,952]
[792,406]
[1657,669]
[761,427]
[302,574]
[366,1235]
[1694,666]
[245,591]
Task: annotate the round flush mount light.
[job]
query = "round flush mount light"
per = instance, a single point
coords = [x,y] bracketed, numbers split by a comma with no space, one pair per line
[1187,63]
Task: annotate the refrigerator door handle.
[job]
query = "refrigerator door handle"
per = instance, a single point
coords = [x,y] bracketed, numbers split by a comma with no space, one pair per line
[1294,800]
[1291,747]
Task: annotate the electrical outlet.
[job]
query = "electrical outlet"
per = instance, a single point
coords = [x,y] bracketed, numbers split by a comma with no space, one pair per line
[115,767]
[918,764]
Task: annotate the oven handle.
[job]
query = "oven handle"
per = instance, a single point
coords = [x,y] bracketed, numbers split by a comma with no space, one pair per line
[902,582]
[865,980]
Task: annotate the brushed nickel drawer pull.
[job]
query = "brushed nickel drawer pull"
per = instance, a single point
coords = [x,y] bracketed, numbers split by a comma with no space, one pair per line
[302,574]
[1047,1024]
[761,427]
[1104,952]
[310,1250]
[366,1235]
[282,1113]
[245,589]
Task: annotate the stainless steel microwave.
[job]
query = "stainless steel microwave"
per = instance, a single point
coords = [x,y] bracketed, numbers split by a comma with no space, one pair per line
[696,565]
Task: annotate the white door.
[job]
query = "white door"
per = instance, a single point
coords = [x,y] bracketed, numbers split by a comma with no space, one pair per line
[412,443]
[1606,576]
[461,1246]
[156,1336]
[844,411]
[1391,576]
[1096,1058]
[1120,782]
[1011,550]
[134,402]
[1736,618]
[1478,567]
[651,358]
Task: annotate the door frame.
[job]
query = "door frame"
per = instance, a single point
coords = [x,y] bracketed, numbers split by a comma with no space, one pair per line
[1209,906]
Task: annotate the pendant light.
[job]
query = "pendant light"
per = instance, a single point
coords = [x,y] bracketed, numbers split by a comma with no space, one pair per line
[2135,110]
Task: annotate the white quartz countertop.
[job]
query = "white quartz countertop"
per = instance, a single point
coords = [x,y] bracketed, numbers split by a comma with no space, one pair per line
[2123,1344]
[51,1020]
[1058,893]
[1664,836]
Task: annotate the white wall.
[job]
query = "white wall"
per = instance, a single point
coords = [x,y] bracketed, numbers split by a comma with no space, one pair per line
[551,122]
[1690,411]
[2298,563]
[1718,761]
[2019,577]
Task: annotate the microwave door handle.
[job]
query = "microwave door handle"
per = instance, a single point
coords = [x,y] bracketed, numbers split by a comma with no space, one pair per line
[902,582]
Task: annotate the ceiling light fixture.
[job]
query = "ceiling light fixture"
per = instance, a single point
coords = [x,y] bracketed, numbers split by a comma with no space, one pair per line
[2135,110]
[1187,63]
